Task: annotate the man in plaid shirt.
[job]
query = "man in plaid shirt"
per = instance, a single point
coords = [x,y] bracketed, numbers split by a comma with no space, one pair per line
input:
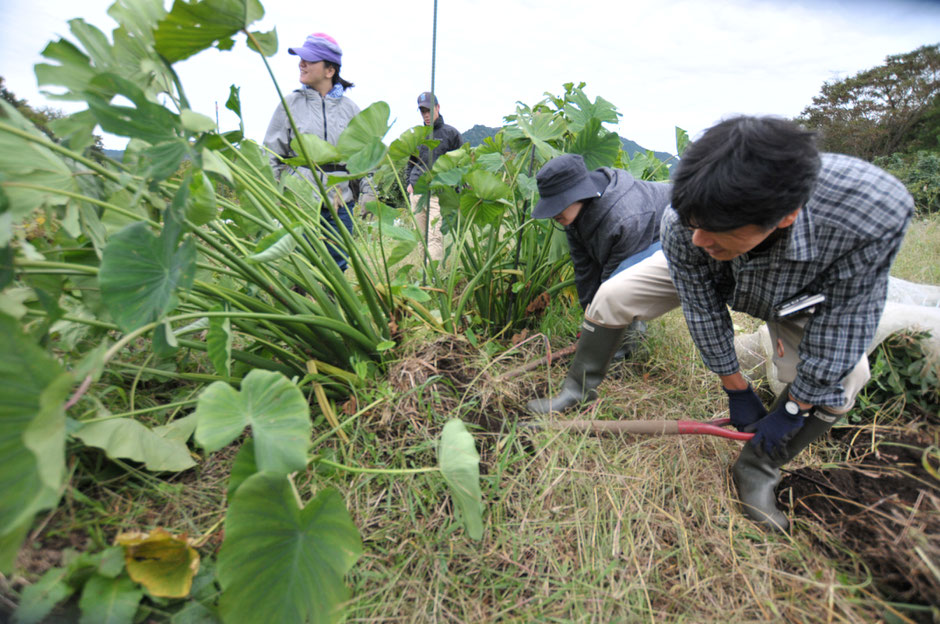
[759,220]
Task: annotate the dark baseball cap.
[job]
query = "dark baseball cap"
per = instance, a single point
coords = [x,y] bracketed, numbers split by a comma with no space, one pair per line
[562,181]
[427,100]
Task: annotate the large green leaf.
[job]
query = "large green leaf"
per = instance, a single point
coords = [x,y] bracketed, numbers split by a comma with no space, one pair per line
[140,274]
[201,207]
[448,170]
[486,199]
[26,162]
[360,144]
[163,160]
[74,73]
[128,439]
[38,599]
[410,140]
[267,42]
[460,464]
[131,55]
[487,186]
[598,146]
[538,129]
[33,389]
[109,601]
[581,111]
[275,246]
[283,563]
[319,151]
[145,120]
[192,27]
[275,409]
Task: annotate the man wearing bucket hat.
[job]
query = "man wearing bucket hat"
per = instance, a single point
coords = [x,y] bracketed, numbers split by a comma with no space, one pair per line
[320,107]
[611,221]
[429,219]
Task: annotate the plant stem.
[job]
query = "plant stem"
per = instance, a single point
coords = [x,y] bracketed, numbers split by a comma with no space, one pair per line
[386,471]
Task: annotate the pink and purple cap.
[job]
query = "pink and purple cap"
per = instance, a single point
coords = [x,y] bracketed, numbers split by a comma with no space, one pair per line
[319,47]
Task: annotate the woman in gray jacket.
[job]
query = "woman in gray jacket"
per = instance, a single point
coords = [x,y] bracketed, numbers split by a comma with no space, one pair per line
[321,108]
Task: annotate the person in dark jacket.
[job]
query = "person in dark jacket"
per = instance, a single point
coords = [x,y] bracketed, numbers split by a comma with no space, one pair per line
[611,221]
[450,139]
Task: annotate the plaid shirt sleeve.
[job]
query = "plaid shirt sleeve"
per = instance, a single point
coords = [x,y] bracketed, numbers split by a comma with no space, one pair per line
[700,289]
[855,283]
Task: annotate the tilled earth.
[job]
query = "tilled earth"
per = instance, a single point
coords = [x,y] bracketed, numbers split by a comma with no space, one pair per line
[880,509]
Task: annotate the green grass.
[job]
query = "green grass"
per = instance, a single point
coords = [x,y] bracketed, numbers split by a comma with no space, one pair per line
[919,259]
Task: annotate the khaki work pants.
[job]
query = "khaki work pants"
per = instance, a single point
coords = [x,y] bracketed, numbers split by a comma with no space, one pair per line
[645,291]
[435,238]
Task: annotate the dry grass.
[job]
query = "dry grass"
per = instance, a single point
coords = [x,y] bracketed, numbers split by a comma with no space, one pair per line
[586,529]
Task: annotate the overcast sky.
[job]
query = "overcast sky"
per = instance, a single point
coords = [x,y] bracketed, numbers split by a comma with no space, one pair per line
[668,63]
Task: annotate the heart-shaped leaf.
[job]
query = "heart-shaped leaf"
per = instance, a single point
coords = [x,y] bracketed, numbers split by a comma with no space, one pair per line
[128,439]
[283,563]
[192,27]
[410,140]
[360,144]
[140,274]
[275,409]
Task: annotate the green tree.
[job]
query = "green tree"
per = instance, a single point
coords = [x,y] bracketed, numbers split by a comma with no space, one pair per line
[40,117]
[894,107]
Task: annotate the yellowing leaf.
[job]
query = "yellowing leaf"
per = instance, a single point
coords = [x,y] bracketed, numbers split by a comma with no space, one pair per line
[160,561]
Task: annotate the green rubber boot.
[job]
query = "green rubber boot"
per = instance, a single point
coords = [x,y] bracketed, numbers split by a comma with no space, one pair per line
[596,347]
[756,475]
[636,332]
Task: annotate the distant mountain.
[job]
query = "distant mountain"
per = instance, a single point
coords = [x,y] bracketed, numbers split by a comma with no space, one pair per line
[475,135]
[117,155]
[631,148]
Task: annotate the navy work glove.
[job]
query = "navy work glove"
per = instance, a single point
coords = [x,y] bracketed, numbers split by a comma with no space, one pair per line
[772,432]
[744,407]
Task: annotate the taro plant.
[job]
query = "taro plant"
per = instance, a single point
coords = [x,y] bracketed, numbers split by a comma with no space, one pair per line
[502,264]
[115,267]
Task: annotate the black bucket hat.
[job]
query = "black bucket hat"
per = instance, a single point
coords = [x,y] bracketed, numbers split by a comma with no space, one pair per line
[562,181]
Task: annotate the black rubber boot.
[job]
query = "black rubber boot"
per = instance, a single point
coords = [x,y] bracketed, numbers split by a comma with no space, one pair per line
[596,347]
[756,475]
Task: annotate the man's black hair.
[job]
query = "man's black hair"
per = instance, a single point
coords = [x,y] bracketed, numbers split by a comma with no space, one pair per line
[745,171]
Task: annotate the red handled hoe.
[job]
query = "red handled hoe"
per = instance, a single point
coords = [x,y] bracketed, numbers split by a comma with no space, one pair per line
[646,427]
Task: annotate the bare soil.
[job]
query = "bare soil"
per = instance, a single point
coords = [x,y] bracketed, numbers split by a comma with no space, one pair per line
[880,509]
